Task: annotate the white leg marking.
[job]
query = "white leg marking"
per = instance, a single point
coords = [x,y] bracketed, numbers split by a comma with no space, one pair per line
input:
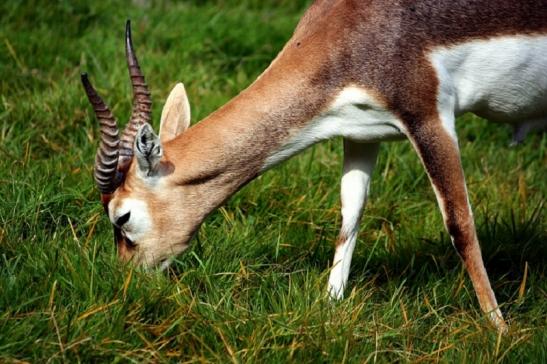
[359,161]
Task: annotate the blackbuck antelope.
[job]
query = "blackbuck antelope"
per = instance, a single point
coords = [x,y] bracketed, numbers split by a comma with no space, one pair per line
[368,71]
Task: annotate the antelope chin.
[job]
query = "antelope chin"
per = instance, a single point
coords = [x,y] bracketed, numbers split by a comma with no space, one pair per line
[165,263]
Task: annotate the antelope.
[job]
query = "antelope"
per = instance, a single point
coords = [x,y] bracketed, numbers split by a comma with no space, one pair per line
[368,71]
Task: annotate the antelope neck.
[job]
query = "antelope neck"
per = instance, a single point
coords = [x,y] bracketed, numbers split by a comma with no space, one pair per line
[229,148]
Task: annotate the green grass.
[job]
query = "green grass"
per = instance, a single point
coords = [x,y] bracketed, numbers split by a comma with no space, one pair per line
[252,287]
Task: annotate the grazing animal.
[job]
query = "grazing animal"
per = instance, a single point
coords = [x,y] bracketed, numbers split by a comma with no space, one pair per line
[369,71]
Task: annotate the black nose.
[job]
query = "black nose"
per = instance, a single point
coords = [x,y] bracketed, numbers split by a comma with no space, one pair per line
[130,243]
[123,219]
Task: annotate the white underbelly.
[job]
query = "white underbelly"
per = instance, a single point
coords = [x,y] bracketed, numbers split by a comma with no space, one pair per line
[355,114]
[502,79]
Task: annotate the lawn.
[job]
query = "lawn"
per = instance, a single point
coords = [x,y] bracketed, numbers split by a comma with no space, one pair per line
[252,287]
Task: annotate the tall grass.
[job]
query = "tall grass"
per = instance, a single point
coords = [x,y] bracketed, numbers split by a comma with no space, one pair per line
[251,288]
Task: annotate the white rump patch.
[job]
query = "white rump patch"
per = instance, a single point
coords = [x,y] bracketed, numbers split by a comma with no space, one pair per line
[501,79]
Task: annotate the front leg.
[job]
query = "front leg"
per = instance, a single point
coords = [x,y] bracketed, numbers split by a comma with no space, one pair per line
[359,161]
[437,147]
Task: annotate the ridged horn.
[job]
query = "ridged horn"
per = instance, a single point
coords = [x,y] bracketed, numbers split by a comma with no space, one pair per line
[142,103]
[106,160]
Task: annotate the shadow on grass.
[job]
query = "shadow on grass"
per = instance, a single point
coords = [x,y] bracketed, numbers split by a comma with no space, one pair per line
[510,245]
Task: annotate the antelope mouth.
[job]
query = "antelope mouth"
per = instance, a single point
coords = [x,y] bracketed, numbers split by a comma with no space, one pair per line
[164,264]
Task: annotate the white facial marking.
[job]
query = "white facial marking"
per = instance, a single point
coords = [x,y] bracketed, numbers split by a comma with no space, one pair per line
[139,222]
[355,114]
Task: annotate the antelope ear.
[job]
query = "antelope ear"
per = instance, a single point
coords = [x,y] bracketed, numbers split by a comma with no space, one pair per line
[175,116]
[148,150]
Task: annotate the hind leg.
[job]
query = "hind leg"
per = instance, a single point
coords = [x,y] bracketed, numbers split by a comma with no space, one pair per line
[359,161]
[437,147]
[521,130]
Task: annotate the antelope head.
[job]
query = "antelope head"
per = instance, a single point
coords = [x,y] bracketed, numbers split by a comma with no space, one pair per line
[134,175]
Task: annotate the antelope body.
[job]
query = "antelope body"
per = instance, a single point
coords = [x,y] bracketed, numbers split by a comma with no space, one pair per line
[368,71]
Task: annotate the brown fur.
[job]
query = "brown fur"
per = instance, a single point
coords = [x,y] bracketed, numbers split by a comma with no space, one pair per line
[342,237]
[377,45]
[338,43]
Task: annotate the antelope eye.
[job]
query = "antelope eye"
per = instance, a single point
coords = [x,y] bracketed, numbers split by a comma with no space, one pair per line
[122,219]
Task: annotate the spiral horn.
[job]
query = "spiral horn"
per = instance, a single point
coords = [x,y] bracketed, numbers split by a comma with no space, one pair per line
[106,159]
[142,103]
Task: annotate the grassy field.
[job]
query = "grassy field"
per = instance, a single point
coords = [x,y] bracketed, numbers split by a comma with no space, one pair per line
[252,287]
